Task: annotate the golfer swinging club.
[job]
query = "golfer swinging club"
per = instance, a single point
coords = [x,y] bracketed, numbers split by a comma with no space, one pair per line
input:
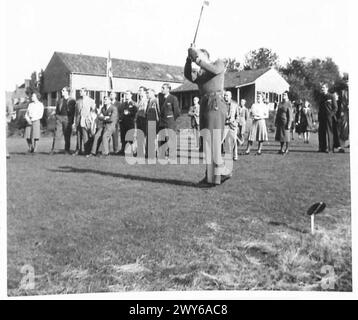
[210,80]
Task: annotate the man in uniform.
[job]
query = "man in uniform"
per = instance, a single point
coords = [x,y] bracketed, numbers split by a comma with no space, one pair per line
[169,112]
[127,111]
[65,113]
[210,80]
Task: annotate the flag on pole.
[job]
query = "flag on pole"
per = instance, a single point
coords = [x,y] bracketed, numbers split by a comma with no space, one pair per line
[206,3]
[109,71]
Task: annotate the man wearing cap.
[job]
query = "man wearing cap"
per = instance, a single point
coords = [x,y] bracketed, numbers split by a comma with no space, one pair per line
[210,80]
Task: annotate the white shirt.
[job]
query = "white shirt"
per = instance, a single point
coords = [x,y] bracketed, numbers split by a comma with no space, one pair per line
[35,111]
[259,111]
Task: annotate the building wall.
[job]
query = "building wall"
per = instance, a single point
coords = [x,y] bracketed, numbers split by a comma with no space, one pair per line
[100,83]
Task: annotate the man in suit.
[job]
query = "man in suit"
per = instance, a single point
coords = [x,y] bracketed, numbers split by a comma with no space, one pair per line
[231,122]
[83,121]
[127,111]
[65,113]
[169,112]
[326,118]
[107,121]
[210,80]
[10,115]
[115,103]
[241,126]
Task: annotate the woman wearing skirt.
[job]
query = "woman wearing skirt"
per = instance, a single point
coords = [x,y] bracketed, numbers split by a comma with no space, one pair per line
[258,131]
[33,116]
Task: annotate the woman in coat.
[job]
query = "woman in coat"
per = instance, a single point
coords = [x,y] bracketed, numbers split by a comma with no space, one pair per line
[34,113]
[283,122]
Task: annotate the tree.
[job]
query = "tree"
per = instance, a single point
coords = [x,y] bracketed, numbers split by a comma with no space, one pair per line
[305,77]
[33,85]
[41,83]
[232,65]
[260,58]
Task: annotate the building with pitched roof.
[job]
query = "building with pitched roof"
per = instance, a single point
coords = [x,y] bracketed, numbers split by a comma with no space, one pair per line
[243,84]
[77,71]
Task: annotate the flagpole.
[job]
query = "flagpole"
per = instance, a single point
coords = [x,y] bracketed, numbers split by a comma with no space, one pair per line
[107,75]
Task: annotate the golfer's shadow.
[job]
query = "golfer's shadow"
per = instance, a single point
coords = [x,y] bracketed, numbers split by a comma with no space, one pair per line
[69,169]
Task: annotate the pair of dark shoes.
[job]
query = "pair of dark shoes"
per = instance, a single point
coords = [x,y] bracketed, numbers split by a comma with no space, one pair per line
[52,152]
[283,152]
[205,184]
[77,153]
[90,155]
[340,150]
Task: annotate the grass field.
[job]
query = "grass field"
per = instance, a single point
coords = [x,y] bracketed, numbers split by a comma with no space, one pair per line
[101,225]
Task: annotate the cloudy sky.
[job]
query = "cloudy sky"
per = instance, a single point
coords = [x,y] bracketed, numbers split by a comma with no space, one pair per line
[161,30]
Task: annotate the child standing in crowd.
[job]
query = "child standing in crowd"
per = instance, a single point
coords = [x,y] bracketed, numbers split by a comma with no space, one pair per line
[258,131]
[297,119]
[243,115]
[33,115]
[306,121]
[193,113]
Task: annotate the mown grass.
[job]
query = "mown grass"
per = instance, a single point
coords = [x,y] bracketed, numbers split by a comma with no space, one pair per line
[100,225]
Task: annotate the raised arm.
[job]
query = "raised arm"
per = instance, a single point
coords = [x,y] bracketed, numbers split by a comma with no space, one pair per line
[216,68]
[188,70]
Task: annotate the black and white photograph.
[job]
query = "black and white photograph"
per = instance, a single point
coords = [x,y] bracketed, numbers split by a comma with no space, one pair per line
[177,148]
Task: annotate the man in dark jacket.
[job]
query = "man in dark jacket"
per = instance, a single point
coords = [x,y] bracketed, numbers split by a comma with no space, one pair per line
[65,113]
[169,112]
[127,112]
[210,80]
[326,118]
